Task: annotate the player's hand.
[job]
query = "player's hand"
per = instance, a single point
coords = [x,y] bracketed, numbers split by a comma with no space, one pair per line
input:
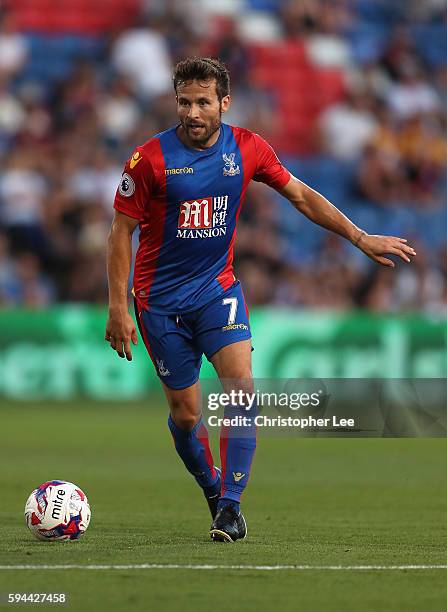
[120,331]
[378,246]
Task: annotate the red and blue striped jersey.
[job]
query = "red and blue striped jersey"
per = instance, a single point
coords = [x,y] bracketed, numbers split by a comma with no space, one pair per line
[188,202]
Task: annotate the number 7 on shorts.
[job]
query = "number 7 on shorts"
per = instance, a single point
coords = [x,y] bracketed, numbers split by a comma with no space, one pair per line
[232,302]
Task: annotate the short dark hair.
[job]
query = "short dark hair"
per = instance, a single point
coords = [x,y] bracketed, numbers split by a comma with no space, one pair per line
[203,69]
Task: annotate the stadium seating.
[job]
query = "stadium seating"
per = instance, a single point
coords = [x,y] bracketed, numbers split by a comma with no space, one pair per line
[431,43]
[283,69]
[79,16]
[51,57]
[265,5]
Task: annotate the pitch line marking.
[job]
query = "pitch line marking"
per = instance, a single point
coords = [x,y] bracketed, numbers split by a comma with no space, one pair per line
[259,568]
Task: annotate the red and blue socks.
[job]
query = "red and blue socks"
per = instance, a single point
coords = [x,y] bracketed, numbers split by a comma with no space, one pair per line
[194,450]
[237,448]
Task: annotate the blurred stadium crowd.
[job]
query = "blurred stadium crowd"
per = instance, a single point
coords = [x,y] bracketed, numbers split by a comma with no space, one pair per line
[351,93]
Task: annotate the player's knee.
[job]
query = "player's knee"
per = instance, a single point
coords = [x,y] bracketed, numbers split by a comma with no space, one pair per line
[184,413]
[240,380]
[187,422]
[244,384]
[247,384]
[246,376]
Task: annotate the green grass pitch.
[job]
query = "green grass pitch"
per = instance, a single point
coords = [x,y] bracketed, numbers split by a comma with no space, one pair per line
[309,502]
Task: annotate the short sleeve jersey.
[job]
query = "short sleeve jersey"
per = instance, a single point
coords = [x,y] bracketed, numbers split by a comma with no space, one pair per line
[187,203]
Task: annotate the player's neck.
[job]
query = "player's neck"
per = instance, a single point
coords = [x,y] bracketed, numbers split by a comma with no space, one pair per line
[202,146]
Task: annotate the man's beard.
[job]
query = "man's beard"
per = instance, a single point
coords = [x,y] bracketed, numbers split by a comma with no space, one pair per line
[207,134]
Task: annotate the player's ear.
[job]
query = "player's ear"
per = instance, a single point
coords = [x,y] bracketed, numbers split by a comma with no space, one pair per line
[225,104]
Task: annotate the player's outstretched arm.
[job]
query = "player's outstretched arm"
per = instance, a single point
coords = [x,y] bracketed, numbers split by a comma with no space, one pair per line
[321,211]
[120,327]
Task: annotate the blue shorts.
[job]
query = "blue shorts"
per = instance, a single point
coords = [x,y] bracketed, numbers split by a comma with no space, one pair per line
[176,343]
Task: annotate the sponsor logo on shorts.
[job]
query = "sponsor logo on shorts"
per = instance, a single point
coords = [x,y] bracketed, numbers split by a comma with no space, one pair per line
[235,326]
[238,476]
[203,217]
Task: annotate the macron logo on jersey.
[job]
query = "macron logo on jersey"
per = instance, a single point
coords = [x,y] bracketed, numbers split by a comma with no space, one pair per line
[203,218]
[184,170]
